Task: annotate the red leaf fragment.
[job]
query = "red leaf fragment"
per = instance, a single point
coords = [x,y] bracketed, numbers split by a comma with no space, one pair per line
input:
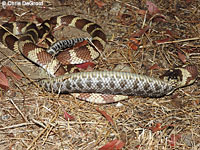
[174,138]
[132,46]
[38,19]
[9,72]
[155,66]
[99,3]
[86,65]
[12,19]
[133,43]
[174,96]
[105,115]
[68,116]
[125,18]
[189,1]
[141,12]
[157,127]
[196,102]
[192,50]
[113,145]
[7,13]
[182,57]
[159,18]
[154,12]
[141,32]
[138,146]
[3,81]
[162,41]
[152,8]
[171,34]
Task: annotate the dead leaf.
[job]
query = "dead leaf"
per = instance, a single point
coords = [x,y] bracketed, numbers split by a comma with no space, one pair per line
[192,50]
[159,18]
[154,13]
[157,127]
[189,1]
[196,102]
[7,13]
[125,18]
[106,116]
[3,81]
[68,116]
[174,96]
[138,146]
[133,43]
[12,19]
[141,12]
[173,139]
[171,34]
[9,72]
[113,145]
[140,32]
[35,17]
[161,41]
[99,3]
[152,8]
[182,57]
[154,67]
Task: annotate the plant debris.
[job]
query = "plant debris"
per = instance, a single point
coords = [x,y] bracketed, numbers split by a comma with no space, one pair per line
[148,37]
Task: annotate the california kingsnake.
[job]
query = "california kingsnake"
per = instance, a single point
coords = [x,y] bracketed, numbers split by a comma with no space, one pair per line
[111,85]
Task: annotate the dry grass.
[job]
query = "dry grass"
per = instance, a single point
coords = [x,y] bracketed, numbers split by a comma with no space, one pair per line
[33,119]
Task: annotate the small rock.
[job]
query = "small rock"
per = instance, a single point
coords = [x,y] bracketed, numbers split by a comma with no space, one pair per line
[123,68]
[187,139]
[116,8]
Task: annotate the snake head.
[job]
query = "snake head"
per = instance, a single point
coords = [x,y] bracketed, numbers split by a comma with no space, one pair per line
[181,76]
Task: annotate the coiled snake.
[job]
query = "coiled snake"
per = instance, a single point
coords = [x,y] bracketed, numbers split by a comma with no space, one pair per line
[107,86]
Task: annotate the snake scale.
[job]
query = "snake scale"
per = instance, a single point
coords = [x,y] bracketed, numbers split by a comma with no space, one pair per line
[97,86]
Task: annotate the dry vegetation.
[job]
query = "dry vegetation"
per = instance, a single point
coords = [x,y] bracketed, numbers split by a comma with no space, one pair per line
[31,118]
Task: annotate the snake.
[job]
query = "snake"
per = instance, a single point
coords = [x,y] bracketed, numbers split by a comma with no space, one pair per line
[95,86]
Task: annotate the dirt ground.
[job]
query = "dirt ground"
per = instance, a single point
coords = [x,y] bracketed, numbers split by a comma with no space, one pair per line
[31,118]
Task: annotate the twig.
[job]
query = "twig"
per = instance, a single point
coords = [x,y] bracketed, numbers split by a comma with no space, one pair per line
[18,110]
[43,131]
[51,128]
[128,5]
[17,125]
[170,42]
[38,123]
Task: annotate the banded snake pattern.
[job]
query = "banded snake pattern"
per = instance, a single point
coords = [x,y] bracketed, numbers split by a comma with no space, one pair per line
[97,86]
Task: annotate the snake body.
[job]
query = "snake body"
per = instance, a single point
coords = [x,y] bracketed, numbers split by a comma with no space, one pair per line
[104,82]
[109,82]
